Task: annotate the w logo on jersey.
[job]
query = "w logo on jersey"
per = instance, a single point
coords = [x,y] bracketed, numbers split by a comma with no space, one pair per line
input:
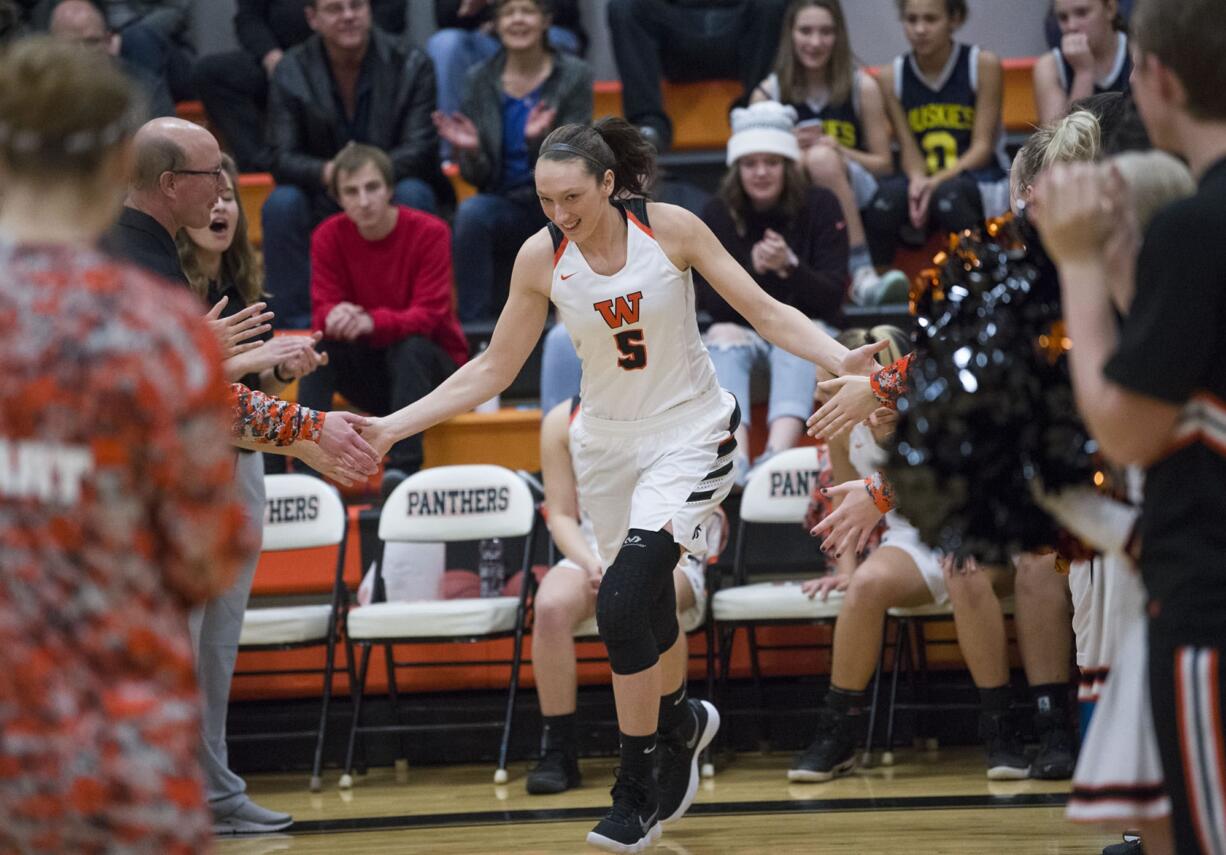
[620,311]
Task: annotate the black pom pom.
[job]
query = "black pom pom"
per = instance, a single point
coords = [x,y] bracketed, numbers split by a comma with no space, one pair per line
[989,406]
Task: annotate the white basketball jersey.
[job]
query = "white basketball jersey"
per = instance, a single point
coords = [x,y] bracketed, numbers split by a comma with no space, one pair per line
[635,331]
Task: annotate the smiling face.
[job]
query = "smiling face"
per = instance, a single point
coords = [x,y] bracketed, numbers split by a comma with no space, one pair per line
[1090,18]
[813,37]
[571,197]
[762,177]
[928,27]
[521,25]
[219,233]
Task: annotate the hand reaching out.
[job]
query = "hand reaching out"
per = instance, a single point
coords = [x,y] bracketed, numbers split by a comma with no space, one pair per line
[850,400]
[378,436]
[850,524]
[341,442]
[863,360]
[235,333]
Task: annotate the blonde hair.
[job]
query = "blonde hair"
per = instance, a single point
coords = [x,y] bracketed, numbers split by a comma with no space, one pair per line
[900,342]
[1154,179]
[1074,139]
[63,110]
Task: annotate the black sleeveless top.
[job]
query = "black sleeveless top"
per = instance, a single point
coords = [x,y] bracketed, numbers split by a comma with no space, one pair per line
[942,118]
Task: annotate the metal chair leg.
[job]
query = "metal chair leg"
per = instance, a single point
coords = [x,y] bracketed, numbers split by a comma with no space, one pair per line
[900,650]
[761,721]
[347,776]
[321,733]
[867,758]
[389,660]
[500,774]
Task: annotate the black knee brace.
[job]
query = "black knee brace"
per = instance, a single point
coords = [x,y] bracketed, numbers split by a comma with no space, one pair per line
[636,608]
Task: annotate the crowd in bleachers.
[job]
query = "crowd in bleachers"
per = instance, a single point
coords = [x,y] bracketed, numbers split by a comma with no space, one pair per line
[829,167]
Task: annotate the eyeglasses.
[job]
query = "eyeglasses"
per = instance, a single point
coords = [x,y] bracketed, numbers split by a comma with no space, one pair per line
[215,173]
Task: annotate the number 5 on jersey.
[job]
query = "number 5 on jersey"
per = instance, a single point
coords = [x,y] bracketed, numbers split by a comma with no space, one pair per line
[617,313]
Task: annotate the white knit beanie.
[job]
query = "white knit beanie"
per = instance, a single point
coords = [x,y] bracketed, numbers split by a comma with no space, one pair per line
[763,128]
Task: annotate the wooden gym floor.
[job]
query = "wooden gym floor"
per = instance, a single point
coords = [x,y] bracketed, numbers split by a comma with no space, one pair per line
[929,802]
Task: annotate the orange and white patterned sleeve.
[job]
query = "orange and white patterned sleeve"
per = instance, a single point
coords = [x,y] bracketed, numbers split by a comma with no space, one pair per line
[889,383]
[267,420]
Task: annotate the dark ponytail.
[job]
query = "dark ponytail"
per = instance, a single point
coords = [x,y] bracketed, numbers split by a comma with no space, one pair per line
[610,144]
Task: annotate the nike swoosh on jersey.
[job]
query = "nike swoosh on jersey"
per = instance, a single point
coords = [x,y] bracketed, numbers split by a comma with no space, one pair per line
[566,276]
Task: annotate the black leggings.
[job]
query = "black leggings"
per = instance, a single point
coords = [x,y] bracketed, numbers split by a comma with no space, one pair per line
[954,206]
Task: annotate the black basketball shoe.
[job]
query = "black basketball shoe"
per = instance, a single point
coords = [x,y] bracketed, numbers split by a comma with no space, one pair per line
[832,752]
[557,772]
[1056,757]
[1006,753]
[677,760]
[632,824]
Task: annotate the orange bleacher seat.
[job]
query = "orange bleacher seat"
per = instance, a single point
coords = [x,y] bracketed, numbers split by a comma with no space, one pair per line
[253,189]
[192,111]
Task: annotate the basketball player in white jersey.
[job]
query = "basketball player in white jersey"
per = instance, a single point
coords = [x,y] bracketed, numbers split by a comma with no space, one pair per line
[653,443]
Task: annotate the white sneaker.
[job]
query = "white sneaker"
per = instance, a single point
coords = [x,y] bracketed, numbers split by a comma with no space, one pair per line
[870,289]
[864,283]
[250,818]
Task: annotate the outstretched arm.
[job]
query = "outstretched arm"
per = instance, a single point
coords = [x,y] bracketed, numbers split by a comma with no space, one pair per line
[690,243]
[518,329]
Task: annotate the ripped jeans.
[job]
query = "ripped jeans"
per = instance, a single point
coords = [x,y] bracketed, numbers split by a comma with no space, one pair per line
[738,353]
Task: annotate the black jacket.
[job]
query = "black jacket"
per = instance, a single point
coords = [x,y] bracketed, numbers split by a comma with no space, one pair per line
[264,25]
[568,88]
[305,127]
[138,238]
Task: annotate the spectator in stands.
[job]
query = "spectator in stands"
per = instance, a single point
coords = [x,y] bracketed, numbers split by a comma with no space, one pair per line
[791,237]
[381,296]
[234,85]
[686,40]
[511,102]
[219,261]
[843,130]
[1092,57]
[81,23]
[1052,26]
[175,185]
[11,19]
[944,99]
[465,38]
[347,83]
[152,34]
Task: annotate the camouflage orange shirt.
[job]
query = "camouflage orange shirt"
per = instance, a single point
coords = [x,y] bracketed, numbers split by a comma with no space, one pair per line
[117,511]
